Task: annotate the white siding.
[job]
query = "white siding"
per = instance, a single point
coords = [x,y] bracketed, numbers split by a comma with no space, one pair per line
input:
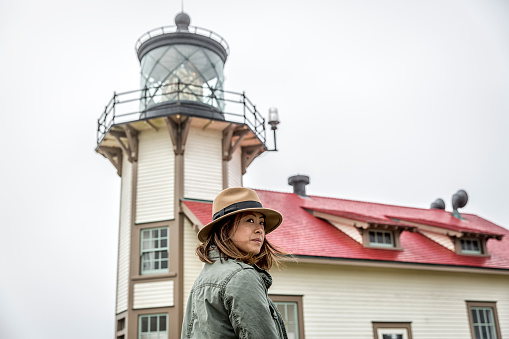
[342,302]
[203,171]
[441,239]
[192,265]
[153,294]
[235,169]
[124,236]
[351,231]
[156,167]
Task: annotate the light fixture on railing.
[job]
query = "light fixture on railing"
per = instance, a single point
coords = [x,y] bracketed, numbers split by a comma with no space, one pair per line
[273,122]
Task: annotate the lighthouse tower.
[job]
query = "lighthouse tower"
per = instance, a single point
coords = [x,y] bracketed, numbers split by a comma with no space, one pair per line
[180,136]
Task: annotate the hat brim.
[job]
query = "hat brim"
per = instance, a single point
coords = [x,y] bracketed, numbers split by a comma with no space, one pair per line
[272,220]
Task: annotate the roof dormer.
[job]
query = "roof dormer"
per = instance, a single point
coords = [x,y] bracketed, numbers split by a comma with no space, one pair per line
[368,231]
[461,240]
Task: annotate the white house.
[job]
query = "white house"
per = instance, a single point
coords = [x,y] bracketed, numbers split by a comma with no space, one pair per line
[367,270]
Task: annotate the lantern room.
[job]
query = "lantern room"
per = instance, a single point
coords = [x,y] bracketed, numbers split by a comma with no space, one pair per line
[184,66]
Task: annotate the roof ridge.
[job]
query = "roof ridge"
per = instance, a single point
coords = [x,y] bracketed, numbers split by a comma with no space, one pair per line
[267,190]
[343,199]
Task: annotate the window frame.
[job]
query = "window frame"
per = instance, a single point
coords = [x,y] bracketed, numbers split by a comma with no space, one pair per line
[386,325]
[481,242]
[383,232]
[297,299]
[153,315]
[483,304]
[159,249]
[395,235]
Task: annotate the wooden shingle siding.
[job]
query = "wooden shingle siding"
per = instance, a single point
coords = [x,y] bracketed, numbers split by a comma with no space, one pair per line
[192,265]
[235,170]
[203,163]
[441,239]
[153,294]
[156,168]
[124,236]
[342,302]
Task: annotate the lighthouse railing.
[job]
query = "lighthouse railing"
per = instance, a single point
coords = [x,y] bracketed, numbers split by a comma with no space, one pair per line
[173,29]
[135,105]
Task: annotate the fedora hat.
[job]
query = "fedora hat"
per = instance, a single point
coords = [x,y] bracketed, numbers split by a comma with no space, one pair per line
[237,200]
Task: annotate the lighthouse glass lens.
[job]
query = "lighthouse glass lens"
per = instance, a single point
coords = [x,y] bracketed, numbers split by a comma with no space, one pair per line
[182,73]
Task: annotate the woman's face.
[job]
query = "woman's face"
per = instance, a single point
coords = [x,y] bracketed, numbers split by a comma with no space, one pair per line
[249,235]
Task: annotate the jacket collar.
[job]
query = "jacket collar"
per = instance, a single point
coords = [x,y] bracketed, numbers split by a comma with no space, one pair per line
[266,277]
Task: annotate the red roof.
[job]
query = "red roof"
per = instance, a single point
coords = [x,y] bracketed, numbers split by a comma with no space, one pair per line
[303,234]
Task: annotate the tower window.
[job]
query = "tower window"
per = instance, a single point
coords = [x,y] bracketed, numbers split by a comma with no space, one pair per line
[154,250]
[153,326]
[381,238]
[471,246]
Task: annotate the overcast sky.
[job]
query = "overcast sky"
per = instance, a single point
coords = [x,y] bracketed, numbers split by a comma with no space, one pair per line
[396,102]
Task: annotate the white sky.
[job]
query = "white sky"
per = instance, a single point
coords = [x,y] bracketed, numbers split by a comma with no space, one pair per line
[397,102]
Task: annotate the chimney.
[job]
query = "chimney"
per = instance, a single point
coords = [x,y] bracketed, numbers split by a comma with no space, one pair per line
[299,183]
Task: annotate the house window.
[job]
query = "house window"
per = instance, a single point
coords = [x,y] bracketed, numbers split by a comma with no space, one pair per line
[289,312]
[154,250]
[153,326]
[381,238]
[290,307]
[483,320]
[392,330]
[471,246]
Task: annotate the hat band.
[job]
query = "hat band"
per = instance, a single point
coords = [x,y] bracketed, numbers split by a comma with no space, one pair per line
[235,207]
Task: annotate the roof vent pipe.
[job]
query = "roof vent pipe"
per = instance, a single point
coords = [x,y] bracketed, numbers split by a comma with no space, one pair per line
[299,183]
[438,204]
[459,200]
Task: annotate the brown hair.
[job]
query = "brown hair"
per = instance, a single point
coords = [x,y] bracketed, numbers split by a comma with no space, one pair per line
[219,238]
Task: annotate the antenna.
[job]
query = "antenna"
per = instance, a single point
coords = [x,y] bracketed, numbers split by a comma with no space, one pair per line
[182,5]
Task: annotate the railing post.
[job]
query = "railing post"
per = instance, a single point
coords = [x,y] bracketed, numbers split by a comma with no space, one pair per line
[98,136]
[178,90]
[113,108]
[244,105]
[145,97]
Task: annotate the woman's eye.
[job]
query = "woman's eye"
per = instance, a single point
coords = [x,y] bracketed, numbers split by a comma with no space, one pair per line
[262,223]
[250,220]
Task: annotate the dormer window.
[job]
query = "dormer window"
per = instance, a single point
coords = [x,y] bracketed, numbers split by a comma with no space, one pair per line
[371,232]
[381,238]
[471,246]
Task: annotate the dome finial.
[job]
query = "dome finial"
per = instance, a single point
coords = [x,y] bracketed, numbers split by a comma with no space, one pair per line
[182,20]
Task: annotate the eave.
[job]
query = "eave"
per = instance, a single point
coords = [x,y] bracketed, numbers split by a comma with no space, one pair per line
[302,259]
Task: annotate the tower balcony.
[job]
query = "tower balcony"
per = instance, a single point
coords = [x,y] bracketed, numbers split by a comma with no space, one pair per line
[148,107]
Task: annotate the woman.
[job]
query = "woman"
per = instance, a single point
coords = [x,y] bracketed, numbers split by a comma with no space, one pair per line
[229,298]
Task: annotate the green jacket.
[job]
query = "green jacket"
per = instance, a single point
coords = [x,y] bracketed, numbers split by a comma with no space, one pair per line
[229,300]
